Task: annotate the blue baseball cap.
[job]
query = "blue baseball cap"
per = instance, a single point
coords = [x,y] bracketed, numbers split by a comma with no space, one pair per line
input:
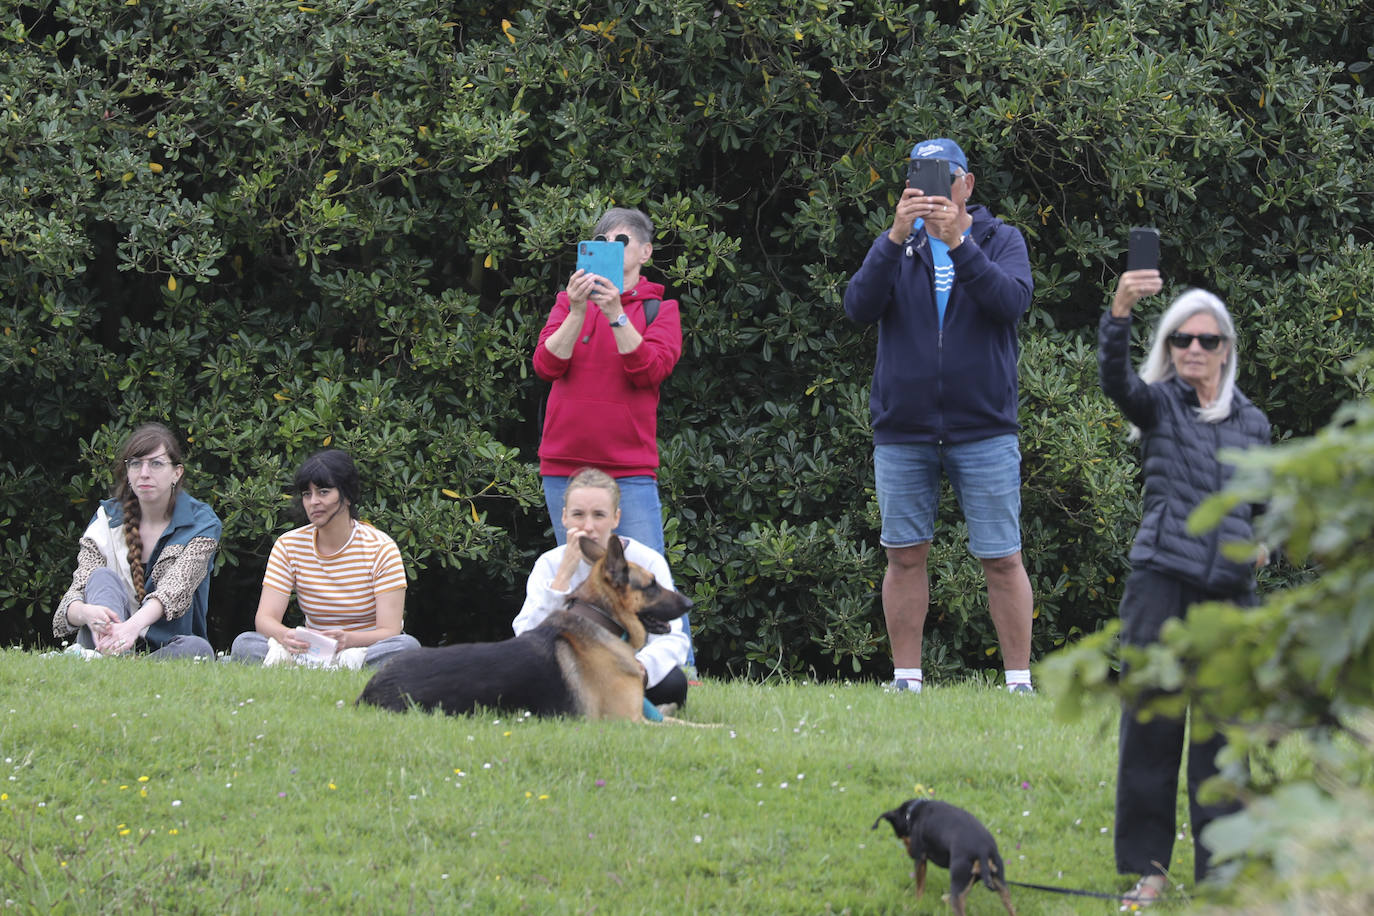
[941,148]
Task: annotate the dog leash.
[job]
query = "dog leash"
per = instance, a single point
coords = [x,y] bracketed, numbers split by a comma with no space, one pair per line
[1074,892]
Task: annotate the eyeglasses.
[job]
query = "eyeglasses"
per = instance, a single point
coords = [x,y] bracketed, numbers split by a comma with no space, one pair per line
[156,465]
[622,238]
[1181,341]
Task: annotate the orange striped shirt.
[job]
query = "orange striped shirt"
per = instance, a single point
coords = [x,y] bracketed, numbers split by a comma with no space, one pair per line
[337,592]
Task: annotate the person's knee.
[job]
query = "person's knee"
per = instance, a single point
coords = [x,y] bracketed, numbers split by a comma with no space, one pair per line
[908,559]
[1003,567]
[249,647]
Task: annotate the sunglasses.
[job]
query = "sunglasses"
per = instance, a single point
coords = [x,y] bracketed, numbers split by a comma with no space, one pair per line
[622,238]
[1181,341]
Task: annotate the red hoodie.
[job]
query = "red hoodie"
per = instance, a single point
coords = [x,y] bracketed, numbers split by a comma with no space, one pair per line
[603,408]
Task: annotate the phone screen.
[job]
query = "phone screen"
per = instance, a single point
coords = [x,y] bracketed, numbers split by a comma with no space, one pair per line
[931,176]
[605,259]
[1142,249]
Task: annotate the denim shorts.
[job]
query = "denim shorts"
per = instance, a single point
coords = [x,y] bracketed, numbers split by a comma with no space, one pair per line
[985,475]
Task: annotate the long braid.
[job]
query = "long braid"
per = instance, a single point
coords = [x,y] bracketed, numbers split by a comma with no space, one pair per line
[143,441]
[133,515]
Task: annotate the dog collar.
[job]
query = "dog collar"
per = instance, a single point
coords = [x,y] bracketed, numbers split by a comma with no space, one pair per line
[581,607]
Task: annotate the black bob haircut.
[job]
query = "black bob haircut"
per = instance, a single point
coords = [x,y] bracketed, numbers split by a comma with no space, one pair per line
[332,468]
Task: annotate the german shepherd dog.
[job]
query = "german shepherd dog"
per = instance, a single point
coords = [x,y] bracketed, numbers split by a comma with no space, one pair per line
[579,661]
[951,838]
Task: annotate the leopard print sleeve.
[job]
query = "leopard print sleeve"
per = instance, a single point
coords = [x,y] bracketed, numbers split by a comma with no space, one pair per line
[178,573]
[88,560]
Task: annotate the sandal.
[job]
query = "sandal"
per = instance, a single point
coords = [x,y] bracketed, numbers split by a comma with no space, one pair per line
[1146,891]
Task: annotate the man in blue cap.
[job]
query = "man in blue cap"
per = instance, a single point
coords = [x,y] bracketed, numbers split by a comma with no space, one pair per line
[947,286]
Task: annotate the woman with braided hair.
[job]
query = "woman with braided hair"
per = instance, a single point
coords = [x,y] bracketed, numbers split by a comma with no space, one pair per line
[142,580]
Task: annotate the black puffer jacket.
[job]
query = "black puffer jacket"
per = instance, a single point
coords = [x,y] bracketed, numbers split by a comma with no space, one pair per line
[1179,459]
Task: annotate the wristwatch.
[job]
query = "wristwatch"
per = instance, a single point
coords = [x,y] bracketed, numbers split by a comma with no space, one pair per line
[620,322]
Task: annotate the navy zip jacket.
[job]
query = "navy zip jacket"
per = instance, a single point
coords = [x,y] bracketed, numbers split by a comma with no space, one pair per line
[955,383]
[1181,469]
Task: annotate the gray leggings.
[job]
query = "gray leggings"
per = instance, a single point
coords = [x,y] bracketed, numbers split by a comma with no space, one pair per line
[107,589]
[251,648]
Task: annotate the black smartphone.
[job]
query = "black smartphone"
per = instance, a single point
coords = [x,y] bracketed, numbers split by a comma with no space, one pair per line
[931,176]
[1142,249]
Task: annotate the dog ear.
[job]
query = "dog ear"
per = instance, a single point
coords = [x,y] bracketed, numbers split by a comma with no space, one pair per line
[897,818]
[616,568]
[591,549]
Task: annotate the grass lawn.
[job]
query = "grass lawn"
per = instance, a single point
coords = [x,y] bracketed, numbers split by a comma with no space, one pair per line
[133,786]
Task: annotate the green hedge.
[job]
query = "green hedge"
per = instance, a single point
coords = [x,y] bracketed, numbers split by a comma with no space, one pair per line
[280,226]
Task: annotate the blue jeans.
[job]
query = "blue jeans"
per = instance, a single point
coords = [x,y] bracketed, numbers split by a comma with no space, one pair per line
[641,515]
[641,518]
[985,475]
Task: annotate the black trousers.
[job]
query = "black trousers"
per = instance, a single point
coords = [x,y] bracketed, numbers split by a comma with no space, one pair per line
[672,689]
[1151,752]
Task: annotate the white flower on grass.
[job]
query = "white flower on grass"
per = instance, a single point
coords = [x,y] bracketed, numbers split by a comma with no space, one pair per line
[697,838]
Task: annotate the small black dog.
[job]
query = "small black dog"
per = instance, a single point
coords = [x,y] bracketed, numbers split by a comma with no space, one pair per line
[953,839]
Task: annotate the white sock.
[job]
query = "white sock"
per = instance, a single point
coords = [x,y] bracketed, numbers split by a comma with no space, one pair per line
[1018,676]
[908,674]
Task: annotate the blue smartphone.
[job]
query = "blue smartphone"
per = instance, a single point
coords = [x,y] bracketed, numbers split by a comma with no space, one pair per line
[605,259]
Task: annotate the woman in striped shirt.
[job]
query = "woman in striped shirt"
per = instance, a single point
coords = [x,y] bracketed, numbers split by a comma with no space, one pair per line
[348,578]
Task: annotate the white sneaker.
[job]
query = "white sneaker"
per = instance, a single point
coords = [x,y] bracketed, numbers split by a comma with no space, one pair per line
[350,658]
[277,654]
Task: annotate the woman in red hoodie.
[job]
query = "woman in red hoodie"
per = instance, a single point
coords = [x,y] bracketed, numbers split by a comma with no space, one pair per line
[607,353]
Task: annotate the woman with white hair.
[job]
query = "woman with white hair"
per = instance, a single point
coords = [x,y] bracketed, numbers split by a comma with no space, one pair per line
[1184,407]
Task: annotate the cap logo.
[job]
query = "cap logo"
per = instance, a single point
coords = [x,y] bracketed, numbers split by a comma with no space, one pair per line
[930,149]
